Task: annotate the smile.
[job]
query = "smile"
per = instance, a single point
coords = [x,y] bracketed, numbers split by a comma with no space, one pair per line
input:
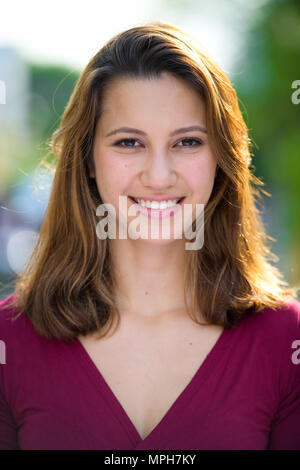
[163,208]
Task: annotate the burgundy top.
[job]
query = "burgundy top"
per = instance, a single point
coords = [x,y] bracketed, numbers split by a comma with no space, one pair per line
[245,395]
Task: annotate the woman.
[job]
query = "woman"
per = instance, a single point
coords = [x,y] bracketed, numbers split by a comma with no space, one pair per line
[138,342]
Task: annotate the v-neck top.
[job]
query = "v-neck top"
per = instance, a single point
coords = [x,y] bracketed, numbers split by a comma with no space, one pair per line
[244,395]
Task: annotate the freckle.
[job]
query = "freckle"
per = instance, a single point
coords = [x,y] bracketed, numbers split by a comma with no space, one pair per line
[190,344]
[146,293]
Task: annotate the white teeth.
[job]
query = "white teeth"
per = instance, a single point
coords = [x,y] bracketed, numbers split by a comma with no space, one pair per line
[157,204]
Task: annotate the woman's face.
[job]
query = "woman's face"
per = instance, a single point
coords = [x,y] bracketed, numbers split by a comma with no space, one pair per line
[154,157]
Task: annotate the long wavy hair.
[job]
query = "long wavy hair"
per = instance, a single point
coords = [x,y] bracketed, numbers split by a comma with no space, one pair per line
[67,288]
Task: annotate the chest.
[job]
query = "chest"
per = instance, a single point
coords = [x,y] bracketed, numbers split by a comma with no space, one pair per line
[147,373]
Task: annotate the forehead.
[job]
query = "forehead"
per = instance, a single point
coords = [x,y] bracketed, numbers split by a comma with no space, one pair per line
[142,99]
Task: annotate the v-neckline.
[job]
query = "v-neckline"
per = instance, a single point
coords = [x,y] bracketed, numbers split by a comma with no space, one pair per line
[205,368]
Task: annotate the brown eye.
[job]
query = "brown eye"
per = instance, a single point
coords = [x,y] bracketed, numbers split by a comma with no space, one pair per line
[119,142]
[189,140]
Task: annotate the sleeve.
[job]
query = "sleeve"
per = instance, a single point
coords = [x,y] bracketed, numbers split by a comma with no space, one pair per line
[285,428]
[8,432]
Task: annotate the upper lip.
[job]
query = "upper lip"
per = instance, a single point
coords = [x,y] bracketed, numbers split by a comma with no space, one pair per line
[163,198]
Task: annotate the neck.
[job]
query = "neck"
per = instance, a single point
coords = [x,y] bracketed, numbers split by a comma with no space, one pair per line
[149,277]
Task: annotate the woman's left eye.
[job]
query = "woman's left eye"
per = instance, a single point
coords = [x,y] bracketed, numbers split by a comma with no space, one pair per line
[188,139]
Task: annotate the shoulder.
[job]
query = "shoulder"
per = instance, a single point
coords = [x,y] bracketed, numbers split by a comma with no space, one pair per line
[282,321]
[24,348]
[273,334]
[7,312]
[13,324]
[270,335]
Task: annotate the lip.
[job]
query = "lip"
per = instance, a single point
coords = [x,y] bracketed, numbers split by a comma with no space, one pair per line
[153,198]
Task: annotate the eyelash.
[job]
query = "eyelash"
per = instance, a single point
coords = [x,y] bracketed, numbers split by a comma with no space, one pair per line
[199,142]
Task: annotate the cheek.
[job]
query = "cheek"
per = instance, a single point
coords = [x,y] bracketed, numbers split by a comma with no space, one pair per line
[112,175]
[200,176]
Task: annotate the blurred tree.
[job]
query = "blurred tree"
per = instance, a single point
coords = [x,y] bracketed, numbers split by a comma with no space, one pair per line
[51,87]
[268,67]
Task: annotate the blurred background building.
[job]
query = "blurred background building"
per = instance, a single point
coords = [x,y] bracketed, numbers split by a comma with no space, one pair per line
[14,74]
[45,45]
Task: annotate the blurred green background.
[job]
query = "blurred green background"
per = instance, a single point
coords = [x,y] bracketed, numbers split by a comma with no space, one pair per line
[262,74]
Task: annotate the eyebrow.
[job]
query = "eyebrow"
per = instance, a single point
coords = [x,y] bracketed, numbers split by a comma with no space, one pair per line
[137,131]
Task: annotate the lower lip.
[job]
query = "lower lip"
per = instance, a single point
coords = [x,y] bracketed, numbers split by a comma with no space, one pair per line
[158,213]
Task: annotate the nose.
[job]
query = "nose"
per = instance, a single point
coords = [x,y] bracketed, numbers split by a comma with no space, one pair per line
[158,172]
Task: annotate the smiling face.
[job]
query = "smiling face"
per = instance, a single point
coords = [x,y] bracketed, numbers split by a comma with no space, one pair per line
[152,161]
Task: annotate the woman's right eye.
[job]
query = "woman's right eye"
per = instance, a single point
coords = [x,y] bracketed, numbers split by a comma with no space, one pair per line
[119,142]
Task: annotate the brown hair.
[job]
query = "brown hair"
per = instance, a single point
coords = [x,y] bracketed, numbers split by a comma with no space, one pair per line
[67,287]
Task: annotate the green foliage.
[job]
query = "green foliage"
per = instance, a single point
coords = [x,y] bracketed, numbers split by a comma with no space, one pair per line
[269,66]
[51,87]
